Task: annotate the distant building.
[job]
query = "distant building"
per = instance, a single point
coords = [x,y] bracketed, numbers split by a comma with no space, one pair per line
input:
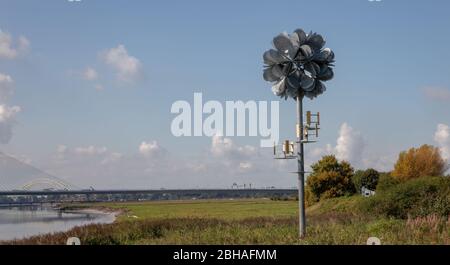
[366,192]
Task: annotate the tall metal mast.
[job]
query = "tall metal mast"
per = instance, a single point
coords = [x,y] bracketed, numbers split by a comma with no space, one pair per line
[297,67]
[301,168]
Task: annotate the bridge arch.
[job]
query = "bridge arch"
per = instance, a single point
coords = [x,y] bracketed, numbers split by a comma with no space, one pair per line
[46,182]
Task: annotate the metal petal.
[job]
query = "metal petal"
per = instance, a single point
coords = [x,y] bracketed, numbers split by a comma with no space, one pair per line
[293,51]
[316,67]
[310,95]
[272,57]
[282,43]
[269,76]
[326,53]
[300,57]
[322,56]
[294,39]
[319,88]
[323,68]
[277,71]
[316,41]
[330,58]
[323,88]
[291,91]
[312,68]
[307,83]
[306,51]
[294,80]
[326,75]
[295,45]
[301,36]
[279,87]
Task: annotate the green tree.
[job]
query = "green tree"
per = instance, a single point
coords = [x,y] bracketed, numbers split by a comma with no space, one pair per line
[366,178]
[425,161]
[330,178]
[356,179]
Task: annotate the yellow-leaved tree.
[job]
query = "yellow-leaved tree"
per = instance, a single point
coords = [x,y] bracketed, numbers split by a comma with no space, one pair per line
[419,162]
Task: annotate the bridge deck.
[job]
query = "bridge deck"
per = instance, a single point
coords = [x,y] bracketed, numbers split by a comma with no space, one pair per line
[161,191]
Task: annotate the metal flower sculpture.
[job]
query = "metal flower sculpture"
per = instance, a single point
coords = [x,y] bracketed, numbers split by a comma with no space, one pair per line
[298,64]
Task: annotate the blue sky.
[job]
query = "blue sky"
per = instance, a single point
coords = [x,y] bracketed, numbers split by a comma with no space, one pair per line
[391,84]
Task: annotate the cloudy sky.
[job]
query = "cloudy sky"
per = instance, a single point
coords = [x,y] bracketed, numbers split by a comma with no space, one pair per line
[86,87]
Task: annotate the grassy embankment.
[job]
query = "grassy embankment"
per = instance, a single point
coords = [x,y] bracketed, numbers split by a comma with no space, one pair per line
[416,212]
[333,221]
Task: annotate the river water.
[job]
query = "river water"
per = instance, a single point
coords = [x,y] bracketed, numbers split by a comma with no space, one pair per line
[21,222]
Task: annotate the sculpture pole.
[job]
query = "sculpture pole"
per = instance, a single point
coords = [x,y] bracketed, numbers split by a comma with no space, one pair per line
[297,67]
[301,167]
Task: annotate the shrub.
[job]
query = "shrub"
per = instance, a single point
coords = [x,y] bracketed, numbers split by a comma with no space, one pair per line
[386,181]
[414,198]
[419,162]
[329,179]
[310,198]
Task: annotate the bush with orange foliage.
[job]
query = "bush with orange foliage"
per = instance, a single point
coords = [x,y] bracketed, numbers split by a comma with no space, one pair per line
[425,161]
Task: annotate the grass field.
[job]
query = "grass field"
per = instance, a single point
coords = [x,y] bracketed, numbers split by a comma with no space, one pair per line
[221,209]
[259,221]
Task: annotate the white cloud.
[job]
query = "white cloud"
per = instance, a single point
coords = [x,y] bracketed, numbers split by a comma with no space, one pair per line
[442,137]
[317,152]
[350,145]
[112,158]
[90,150]
[150,148]
[6,87]
[7,122]
[90,74]
[222,146]
[245,166]
[11,49]
[383,163]
[61,152]
[351,148]
[7,114]
[24,44]
[128,67]
[61,148]
[151,166]
[437,93]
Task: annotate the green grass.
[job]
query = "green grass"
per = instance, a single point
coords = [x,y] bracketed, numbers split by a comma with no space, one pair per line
[335,221]
[348,205]
[221,209]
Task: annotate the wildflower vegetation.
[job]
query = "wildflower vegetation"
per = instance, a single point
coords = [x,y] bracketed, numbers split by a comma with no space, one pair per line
[404,210]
